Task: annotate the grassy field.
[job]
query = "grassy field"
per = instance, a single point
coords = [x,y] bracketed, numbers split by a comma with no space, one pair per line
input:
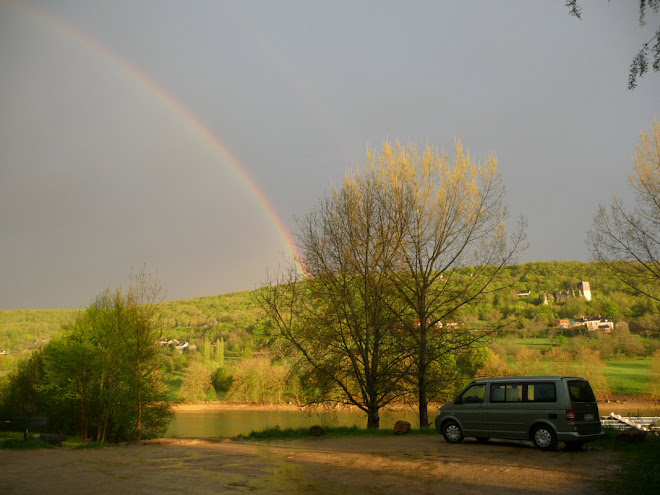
[628,377]
[540,343]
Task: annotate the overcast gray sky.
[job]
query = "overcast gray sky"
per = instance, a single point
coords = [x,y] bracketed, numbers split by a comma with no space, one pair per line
[105,163]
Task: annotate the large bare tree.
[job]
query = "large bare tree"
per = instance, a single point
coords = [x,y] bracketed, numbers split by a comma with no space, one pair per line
[385,258]
[628,241]
[338,316]
[450,222]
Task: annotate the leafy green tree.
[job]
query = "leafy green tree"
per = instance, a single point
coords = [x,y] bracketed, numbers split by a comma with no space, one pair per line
[102,376]
[259,380]
[21,398]
[72,377]
[196,383]
[222,379]
[220,351]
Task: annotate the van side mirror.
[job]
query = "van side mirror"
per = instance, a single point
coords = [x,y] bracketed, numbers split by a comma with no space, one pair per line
[458,400]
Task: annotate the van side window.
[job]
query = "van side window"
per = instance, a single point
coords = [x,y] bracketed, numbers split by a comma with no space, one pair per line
[541,392]
[474,395]
[510,392]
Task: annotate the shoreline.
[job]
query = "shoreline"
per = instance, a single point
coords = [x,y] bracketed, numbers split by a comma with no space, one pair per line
[624,405]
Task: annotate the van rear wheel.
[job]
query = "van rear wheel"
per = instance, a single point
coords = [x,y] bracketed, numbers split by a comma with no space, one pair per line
[452,432]
[544,437]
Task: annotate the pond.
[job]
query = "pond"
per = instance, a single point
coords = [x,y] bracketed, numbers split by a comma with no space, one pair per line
[230,423]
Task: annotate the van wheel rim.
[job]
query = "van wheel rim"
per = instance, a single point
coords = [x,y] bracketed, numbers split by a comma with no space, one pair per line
[453,433]
[543,438]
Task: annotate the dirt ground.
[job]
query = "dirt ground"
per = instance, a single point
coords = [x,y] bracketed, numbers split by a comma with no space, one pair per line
[376,465]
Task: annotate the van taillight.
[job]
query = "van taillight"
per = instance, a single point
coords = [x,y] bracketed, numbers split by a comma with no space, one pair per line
[570,415]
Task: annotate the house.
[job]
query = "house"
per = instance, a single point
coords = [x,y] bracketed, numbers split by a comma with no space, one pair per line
[599,323]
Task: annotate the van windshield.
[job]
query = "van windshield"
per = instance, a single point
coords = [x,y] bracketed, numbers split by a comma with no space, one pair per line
[580,391]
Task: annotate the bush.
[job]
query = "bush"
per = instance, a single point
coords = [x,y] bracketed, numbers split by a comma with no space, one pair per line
[196,383]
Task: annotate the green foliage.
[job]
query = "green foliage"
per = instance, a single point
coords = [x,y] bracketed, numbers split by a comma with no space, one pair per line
[237,321]
[21,397]
[233,326]
[222,379]
[101,377]
[640,475]
[196,383]
[29,444]
[259,380]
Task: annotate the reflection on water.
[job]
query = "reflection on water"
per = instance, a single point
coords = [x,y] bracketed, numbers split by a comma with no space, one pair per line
[233,423]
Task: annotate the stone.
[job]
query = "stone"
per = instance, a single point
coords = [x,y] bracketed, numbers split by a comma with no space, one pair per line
[401,427]
[317,430]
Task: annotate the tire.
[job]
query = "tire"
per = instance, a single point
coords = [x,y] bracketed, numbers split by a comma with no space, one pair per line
[482,439]
[452,432]
[544,437]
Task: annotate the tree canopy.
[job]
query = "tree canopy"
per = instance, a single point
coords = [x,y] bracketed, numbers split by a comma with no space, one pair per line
[385,258]
[628,241]
[102,377]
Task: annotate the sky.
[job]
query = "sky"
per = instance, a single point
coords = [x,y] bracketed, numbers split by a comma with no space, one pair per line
[187,137]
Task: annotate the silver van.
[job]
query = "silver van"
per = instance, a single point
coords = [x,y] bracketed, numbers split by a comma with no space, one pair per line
[543,409]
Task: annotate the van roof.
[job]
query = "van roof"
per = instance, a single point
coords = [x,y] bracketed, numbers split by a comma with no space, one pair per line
[525,378]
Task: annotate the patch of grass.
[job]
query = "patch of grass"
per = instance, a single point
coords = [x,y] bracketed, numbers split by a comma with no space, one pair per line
[640,474]
[330,431]
[13,440]
[628,377]
[540,343]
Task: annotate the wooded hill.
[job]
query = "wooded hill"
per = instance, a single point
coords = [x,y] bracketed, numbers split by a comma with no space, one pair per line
[236,319]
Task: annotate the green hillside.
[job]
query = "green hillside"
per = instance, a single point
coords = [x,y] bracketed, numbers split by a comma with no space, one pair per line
[235,319]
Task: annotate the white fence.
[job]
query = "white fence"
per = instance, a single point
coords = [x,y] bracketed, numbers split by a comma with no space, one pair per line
[618,422]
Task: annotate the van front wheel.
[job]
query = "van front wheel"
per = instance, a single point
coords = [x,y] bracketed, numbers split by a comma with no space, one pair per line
[452,432]
[544,438]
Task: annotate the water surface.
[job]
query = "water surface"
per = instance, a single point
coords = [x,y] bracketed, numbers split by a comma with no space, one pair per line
[242,422]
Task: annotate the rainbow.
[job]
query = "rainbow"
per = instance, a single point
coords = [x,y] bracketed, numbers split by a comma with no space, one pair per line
[135,74]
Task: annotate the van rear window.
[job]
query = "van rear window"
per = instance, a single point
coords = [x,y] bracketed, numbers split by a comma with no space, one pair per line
[580,391]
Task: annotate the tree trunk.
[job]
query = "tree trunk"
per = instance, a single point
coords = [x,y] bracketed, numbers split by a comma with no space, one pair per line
[422,375]
[373,419]
[139,399]
[83,420]
[423,405]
